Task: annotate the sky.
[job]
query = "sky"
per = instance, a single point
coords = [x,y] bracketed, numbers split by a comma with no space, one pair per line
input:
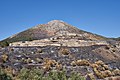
[97,16]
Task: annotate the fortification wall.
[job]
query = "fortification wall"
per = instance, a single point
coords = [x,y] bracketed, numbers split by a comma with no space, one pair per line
[69,43]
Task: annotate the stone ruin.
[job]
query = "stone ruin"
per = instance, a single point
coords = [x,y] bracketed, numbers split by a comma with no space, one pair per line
[71,40]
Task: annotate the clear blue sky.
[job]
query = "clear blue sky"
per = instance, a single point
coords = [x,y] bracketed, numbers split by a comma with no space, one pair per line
[97,16]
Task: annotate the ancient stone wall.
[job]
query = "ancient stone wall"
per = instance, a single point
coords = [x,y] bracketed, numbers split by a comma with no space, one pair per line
[69,43]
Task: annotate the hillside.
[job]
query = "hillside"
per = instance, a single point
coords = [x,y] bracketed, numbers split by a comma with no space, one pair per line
[48,30]
[59,51]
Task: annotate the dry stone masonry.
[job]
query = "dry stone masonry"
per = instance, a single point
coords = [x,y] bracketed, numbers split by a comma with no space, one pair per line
[68,39]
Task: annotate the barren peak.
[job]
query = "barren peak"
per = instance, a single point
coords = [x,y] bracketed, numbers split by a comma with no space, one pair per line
[55,21]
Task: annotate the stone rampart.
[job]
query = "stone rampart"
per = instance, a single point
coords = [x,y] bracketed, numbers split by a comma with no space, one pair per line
[69,43]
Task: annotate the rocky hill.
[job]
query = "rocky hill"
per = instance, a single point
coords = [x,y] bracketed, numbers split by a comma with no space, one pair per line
[58,46]
[48,30]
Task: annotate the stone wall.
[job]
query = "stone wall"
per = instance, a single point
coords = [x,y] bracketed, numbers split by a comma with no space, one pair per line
[69,43]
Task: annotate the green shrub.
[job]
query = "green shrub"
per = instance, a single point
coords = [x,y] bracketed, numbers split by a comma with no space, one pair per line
[4,44]
[4,76]
[38,74]
[24,74]
[55,75]
[76,76]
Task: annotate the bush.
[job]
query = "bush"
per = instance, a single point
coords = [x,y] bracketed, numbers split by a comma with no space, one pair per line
[99,62]
[98,73]
[27,74]
[64,51]
[4,44]
[24,74]
[59,66]
[94,65]
[76,76]
[48,64]
[102,74]
[116,72]
[91,77]
[61,75]
[4,76]
[4,57]
[82,63]
[37,74]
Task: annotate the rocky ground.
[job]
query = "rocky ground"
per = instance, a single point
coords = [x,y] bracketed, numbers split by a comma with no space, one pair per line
[85,60]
